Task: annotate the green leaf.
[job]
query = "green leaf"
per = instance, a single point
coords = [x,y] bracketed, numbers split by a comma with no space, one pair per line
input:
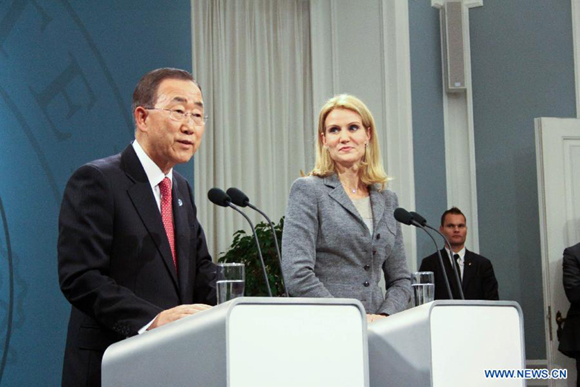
[243,250]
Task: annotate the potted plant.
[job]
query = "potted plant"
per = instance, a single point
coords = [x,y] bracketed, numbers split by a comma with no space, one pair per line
[243,250]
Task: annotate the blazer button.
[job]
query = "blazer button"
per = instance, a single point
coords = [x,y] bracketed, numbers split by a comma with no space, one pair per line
[367,284]
[367,267]
[378,236]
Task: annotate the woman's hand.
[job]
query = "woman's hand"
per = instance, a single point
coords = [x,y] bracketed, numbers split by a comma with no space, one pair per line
[374,317]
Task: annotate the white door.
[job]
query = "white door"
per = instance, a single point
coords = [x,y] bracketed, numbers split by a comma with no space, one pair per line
[558,162]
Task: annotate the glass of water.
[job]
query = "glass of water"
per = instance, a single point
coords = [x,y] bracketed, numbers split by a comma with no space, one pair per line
[423,284]
[230,281]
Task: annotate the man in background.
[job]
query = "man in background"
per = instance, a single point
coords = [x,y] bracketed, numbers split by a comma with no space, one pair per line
[476,272]
[131,254]
[570,336]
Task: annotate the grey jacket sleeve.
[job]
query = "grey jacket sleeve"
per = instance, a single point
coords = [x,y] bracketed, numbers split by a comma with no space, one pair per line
[397,276]
[299,242]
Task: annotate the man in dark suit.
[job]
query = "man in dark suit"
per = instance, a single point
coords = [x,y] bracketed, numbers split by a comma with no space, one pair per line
[476,272]
[570,337]
[131,253]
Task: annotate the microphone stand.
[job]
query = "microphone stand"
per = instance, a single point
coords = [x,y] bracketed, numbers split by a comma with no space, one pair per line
[446,280]
[275,243]
[417,220]
[257,245]
[453,263]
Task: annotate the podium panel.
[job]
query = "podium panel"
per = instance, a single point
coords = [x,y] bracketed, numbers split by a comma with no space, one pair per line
[447,343]
[249,342]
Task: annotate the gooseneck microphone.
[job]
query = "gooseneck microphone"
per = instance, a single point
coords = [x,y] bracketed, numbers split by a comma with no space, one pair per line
[418,218]
[403,216]
[423,222]
[241,199]
[220,198]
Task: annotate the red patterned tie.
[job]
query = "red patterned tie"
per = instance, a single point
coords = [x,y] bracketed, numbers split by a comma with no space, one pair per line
[167,215]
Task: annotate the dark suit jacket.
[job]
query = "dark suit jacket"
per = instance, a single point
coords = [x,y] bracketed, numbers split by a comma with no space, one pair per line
[114,260]
[478,282]
[570,338]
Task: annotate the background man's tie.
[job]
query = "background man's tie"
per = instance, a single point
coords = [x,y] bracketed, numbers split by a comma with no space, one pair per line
[456,256]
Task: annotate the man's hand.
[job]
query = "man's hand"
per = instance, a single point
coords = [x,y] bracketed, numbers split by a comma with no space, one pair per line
[176,313]
[374,317]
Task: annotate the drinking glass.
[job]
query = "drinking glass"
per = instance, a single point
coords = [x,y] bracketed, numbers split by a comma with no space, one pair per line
[230,281]
[423,285]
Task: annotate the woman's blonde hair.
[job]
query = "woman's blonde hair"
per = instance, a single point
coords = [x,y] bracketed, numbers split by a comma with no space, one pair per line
[371,166]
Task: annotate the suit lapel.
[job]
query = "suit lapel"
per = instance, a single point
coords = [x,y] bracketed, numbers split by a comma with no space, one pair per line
[145,205]
[377,206]
[468,269]
[338,194]
[182,232]
[450,274]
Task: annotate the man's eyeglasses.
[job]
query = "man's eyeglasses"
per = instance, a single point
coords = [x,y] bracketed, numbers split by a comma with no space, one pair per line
[181,116]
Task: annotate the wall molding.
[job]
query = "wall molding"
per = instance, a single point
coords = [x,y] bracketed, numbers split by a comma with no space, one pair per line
[459,136]
[324,79]
[332,75]
[576,39]
[334,45]
[397,103]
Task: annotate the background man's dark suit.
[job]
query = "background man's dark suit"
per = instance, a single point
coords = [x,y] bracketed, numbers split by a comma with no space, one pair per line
[570,338]
[115,263]
[479,282]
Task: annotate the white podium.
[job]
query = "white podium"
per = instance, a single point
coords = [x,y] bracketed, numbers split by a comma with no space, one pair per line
[249,342]
[447,343]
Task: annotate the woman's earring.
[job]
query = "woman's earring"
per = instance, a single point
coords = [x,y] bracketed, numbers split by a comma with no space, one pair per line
[365,159]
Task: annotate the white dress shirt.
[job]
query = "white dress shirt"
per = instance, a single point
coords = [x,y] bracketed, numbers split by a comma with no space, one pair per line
[155,176]
[460,261]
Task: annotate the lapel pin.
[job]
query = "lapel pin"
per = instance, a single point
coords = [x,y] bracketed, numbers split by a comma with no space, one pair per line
[179,202]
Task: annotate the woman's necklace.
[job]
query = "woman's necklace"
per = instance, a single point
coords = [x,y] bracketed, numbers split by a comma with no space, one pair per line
[353,190]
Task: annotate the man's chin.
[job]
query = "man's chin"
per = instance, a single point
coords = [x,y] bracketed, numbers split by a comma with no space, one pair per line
[456,244]
[184,158]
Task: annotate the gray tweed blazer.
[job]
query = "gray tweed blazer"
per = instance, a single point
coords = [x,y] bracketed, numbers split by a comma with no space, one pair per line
[327,249]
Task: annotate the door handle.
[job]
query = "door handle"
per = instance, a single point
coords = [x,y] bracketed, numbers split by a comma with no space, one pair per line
[560,321]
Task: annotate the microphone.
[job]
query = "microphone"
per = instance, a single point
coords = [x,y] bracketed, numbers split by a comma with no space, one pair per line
[241,199]
[423,222]
[220,198]
[405,217]
[238,197]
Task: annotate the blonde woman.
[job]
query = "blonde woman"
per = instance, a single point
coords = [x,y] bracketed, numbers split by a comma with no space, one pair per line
[340,234]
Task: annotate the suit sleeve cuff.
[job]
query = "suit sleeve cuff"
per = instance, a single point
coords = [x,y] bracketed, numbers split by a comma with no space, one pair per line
[144,329]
